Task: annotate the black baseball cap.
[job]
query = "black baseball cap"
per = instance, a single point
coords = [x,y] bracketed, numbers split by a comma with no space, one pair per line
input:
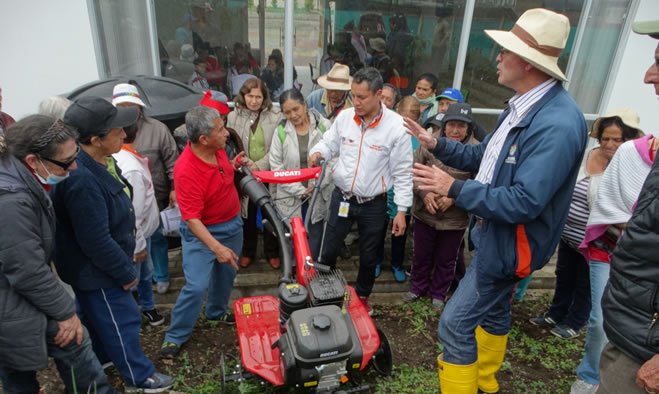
[95,116]
[458,111]
[435,120]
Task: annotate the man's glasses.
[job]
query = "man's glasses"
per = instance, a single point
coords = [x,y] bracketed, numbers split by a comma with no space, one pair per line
[64,164]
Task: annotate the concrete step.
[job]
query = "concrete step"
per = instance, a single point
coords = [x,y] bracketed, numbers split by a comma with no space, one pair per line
[260,278]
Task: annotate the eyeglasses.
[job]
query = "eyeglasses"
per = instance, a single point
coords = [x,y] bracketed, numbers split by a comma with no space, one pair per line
[64,164]
[503,51]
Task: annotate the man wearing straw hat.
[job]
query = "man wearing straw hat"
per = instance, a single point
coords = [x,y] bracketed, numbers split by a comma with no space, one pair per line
[335,95]
[630,361]
[526,171]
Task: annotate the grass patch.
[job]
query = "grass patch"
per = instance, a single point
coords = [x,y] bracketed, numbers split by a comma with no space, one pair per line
[408,379]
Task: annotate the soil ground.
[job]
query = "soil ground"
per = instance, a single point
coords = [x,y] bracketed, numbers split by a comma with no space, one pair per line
[536,361]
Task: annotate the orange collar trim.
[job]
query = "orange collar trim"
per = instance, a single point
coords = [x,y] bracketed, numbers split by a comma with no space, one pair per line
[358,120]
[131,150]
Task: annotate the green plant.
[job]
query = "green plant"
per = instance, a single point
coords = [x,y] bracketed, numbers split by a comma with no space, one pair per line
[274,4]
[407,379]
[308,4]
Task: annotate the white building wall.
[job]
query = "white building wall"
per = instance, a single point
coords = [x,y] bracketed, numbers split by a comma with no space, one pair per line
[47,49]
[628,90]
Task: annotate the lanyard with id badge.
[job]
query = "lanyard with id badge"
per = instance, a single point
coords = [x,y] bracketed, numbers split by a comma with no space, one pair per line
[344,208]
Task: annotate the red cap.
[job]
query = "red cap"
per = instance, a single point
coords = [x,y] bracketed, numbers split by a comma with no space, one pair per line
[216,101]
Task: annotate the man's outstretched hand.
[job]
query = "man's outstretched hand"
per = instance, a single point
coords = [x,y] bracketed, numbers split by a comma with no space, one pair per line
[416,130]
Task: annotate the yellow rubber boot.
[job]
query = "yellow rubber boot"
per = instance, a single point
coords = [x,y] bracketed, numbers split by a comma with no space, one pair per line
[457,379]
[491,349]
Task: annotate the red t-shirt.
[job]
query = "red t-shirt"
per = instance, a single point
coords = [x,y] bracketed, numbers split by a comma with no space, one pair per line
[205,191]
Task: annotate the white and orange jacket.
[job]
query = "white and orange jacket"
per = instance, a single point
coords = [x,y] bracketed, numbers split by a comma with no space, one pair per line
[370,163]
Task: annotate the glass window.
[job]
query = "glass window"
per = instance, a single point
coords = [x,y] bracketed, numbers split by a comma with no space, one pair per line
[206,43]
[124,39]
[402,38]
[479,82]
[595,57]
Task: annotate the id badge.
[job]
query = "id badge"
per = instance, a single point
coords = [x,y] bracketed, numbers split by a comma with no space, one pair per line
[344,207]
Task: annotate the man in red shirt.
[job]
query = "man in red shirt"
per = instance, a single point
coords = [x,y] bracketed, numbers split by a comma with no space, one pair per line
[211,227]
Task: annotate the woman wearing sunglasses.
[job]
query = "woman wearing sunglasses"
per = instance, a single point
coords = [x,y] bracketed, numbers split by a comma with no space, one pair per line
[37,316]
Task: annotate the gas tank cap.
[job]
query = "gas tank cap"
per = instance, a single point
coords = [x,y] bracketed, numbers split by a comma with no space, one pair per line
[322,322]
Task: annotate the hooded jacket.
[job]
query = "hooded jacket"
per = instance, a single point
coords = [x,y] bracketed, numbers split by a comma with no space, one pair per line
[526,205]
[30,293]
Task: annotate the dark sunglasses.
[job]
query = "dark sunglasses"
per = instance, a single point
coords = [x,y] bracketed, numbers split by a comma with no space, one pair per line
[64,164]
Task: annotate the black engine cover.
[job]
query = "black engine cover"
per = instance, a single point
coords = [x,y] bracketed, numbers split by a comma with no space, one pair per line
[319,335]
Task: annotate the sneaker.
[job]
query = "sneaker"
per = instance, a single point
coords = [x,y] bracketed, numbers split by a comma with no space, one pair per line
[368,306]
[377,270]
[437,305]
[399,274]
[410,297]
[162,287]
[169,350]
[565,332]
[583,387]
[543,320]
[154,318]
[157,383]
[226,319]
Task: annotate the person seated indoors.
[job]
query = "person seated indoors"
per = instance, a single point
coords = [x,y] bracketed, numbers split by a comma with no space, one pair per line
[215,74]
[198,77]
[273,76]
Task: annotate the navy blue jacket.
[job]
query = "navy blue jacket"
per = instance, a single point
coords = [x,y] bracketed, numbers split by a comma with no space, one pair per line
[526,205]
[95,237]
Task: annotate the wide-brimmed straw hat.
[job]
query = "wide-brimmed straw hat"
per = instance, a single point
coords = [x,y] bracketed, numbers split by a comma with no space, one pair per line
[338,78]
[628,116]
[538,37]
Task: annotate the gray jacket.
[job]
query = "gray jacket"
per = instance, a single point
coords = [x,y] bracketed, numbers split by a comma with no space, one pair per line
[630,303]
[156,142]
[286,156]
[30,294]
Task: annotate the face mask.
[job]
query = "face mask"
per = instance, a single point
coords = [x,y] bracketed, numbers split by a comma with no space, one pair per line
[52,178]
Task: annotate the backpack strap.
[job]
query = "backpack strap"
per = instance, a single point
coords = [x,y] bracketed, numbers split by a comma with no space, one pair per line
[282,133]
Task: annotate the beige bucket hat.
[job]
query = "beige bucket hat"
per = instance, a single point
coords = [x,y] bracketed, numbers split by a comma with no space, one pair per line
[338,78]
[539,37]
[628,116]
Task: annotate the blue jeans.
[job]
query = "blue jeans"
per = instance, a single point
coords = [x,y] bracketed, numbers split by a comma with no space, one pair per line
[159,256]
[203,273]
[144,276]
[477,301]
[596,339]
[81,358]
